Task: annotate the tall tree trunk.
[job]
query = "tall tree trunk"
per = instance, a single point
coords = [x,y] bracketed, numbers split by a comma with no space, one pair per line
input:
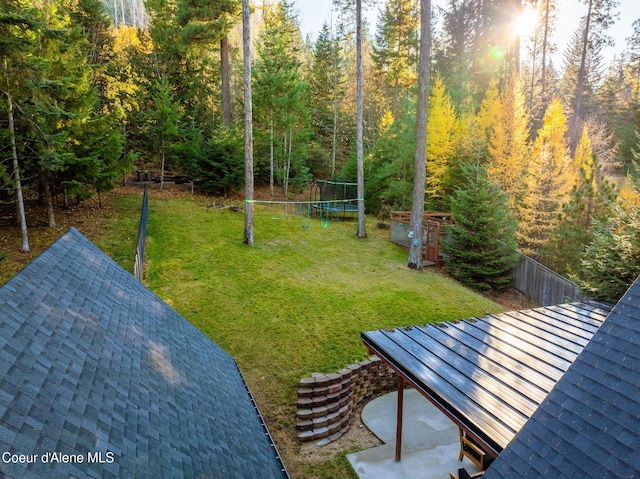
[517,10]
[16,173]
[545,45]
[162,166]
[115,14]
[288,169]
[224,74]
[272,165]
[334,144]
[248,126]
[48,197]
[583,63]
[359,121]
[416,235]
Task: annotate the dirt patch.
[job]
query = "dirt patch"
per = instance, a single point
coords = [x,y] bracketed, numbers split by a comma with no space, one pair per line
[511,300]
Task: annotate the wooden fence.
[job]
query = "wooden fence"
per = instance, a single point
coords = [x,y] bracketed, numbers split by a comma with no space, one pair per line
[138,261]
[543,285]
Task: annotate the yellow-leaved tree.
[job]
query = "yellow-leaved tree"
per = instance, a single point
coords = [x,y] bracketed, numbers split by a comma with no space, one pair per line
[548,180]
[441,141]
[508,142]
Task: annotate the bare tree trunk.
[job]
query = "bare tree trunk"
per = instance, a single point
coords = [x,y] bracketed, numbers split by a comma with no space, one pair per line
[16,174]
[48,197]
[271,157]
[336,80]
[517,10]
[115,13]
[162,167]
[288,168]
[248,126]
[416,235]
[224,74]
[545,42]
[583,63]
[359,121]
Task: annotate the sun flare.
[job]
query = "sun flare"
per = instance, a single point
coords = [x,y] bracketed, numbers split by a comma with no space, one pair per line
[525,24]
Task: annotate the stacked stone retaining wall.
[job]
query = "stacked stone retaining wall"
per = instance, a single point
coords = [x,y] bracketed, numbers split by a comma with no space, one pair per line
[327,402]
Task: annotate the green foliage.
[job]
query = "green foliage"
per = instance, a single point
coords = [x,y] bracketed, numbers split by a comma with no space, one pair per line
[481,251]
[592,200]
[222,170]
[390,172]
[327,90]
[281,111]
[612,261]
[53,59]
[396,48]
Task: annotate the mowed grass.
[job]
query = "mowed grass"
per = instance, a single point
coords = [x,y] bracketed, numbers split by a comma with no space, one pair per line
[294,303]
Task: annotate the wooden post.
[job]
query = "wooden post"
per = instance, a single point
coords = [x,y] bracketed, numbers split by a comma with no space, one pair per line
[399,418]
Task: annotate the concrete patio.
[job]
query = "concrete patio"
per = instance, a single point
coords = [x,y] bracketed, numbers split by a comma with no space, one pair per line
[430,443]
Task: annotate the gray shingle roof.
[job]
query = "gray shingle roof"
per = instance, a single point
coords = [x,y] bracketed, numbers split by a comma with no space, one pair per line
[93,362]
[589,424]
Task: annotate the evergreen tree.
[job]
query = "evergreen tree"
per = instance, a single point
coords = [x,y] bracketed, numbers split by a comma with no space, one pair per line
[481,250]
[391,170]
[396,46]
[583,58]
[20,28]
[611,262]
[591,201]
[281,95]
[327,89]
[162,122]
[479,46]
[548,181]
[582,72]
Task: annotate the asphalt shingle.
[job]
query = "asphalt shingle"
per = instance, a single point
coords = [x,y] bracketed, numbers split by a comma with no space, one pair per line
[592,417]
[95,366]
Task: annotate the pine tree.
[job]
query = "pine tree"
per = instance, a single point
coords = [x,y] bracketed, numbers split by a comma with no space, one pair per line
[391,171]
[508,141]
[396,46]
[582,72]
[163,122]
[611,262]
[327,89]
[281,97]
[591,201]
[547,182]
[20,27]
[481,250]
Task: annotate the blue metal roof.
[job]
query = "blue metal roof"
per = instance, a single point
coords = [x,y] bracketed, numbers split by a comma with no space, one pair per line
[589,424]
[490,374]
[97,370]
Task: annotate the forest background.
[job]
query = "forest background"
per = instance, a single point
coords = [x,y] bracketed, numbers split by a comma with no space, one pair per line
[94,90]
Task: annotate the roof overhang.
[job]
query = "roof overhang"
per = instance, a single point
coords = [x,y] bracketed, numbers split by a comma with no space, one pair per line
[488,375]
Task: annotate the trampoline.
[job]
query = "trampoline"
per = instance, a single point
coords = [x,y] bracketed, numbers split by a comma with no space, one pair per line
[334,196]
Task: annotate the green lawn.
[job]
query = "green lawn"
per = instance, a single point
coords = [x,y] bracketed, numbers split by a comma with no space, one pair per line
[293,304]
